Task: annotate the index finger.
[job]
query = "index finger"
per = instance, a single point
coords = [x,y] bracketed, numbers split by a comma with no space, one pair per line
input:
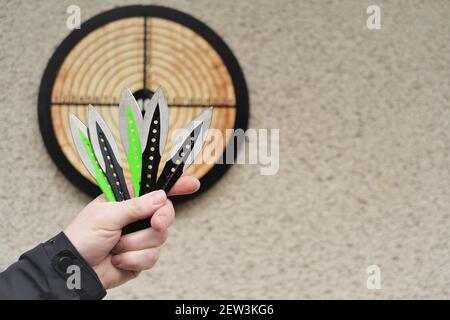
[122,213]
[185,185]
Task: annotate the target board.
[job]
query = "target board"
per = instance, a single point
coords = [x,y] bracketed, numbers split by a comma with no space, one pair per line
[142,48]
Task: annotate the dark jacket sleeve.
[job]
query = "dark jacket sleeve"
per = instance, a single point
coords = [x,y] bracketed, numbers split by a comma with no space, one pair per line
[44,273]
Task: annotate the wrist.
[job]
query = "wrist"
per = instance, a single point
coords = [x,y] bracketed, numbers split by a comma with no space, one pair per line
[91,284]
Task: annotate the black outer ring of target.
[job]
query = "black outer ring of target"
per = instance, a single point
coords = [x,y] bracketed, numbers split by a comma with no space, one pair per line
[55,62]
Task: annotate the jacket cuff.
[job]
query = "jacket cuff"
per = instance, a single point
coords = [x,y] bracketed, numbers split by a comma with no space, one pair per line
[83,279]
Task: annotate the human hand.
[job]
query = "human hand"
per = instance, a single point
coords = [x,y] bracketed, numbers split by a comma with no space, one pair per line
[96,233]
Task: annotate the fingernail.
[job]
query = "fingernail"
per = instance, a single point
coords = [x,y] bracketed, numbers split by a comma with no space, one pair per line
[116,260]
[159,197]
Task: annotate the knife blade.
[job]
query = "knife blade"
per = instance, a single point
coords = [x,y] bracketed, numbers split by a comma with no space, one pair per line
[130,126]
[154,137]
[84,148]
[153,140]
[183,153]
[107,154]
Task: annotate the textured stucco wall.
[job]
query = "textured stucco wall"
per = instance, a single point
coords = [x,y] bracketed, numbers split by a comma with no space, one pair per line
[364,155]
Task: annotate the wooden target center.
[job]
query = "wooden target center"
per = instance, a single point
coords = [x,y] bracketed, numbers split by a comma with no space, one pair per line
[142,48]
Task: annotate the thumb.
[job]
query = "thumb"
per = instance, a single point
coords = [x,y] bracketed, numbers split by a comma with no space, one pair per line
[122,213]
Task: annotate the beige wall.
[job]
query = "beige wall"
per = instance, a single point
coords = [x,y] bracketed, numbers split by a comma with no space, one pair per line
[364,156]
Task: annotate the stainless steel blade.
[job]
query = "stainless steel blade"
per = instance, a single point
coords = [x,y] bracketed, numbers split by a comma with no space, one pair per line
[94,118]
[159,101]
[75,127]
[203,120]
[127,101]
